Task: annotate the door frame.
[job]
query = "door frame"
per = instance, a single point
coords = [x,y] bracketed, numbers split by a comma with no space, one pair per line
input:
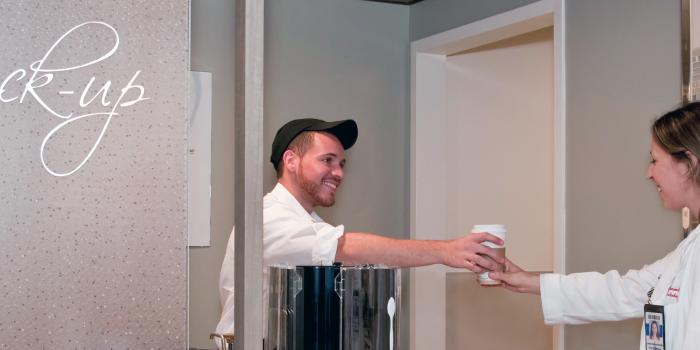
[428,127]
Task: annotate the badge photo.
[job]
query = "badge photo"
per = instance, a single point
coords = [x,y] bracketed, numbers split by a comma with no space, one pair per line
[654,327]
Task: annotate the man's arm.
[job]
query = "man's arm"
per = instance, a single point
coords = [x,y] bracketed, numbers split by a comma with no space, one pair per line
[463,252]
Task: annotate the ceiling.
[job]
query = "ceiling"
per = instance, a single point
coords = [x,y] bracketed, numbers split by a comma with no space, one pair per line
[403,2]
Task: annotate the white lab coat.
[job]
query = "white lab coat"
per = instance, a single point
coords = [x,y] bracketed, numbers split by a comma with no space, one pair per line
[590,296]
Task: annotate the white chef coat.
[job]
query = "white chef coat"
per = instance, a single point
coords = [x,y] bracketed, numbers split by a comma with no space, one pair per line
[226,292]
[590,296]
[291,236]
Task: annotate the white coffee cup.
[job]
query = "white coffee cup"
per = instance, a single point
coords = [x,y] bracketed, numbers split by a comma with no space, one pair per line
[499,231]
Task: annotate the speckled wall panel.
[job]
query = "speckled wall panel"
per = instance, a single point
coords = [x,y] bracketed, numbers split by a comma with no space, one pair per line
[92,180]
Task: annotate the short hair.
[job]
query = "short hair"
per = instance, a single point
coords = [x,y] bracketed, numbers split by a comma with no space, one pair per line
[299,145]
[678,132]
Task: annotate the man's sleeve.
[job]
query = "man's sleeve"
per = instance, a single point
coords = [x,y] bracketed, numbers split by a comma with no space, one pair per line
[289,239]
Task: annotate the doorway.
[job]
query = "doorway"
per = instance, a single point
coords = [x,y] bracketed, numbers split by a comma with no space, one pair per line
[487,147]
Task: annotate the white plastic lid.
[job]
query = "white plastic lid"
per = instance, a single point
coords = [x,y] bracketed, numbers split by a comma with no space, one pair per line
[497,230]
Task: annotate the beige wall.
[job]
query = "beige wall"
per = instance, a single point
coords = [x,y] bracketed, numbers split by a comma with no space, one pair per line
[500,320]
[500,153]
[482,153]
[500,139]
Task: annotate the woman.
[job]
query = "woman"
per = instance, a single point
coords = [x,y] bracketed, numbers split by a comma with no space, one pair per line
[654,335]
[672,283]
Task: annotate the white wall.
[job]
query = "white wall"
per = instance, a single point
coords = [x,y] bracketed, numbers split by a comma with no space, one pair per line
[430,17]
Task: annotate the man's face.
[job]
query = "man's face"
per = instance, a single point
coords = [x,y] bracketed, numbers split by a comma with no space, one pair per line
[320,170]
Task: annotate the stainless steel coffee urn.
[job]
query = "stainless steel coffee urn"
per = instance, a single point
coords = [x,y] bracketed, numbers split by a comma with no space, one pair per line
[333,308]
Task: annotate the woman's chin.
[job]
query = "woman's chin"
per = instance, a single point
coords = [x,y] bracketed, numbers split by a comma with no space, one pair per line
[670,205]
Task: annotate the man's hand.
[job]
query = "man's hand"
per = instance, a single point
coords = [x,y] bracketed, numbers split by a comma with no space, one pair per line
[517,280]
[468,252]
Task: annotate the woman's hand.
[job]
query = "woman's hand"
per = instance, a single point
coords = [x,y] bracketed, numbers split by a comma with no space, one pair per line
[517,280]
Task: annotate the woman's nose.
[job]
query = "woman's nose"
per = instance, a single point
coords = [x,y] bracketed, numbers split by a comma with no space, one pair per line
[649,175]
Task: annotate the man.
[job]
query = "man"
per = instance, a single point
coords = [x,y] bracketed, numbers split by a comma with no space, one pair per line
[309,156]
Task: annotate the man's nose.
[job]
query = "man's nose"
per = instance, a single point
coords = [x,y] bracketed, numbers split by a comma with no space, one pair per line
[338,171]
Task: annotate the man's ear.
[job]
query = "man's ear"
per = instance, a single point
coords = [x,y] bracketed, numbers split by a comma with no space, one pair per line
[290,161]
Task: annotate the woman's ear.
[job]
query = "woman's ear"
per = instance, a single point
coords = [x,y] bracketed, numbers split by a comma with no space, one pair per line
[692,168]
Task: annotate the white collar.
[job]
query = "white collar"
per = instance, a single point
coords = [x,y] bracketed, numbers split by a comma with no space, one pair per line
[694,232]
[282,195]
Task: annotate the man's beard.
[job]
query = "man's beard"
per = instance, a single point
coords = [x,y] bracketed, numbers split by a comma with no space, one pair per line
[313,190]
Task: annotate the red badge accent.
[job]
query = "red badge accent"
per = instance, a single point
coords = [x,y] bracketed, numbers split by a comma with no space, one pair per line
[673,292]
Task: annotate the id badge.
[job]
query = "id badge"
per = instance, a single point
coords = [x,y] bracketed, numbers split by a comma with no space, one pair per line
[654,327]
